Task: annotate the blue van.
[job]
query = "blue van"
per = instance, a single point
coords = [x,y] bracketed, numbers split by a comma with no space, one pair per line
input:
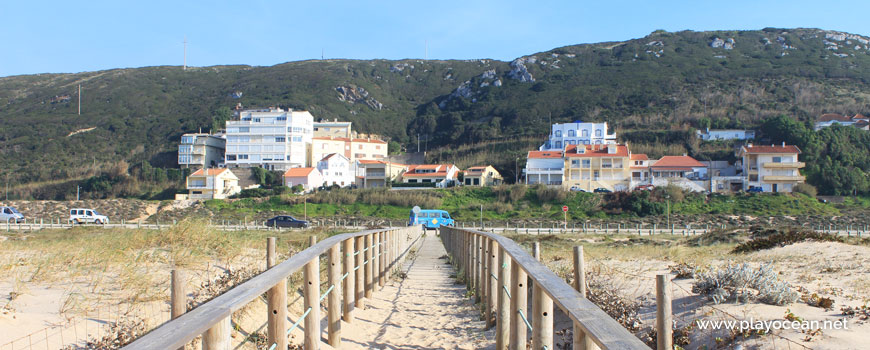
[431,218]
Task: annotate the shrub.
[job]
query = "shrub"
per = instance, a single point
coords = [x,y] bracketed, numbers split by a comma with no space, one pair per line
[806,189]
[550,194]
[772,238]
[742,282]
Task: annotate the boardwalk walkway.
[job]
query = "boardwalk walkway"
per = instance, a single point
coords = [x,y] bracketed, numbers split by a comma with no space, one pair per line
[426,310]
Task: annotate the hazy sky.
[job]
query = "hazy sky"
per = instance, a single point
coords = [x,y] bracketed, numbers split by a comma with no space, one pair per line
[74,36]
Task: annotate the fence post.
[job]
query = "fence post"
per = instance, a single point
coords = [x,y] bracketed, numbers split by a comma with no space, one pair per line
[178,301]
[502,332]
[347,287]
[664,334]
[311,278]
[218,336]
[334,300]
[368,266]
[478,268]
[542,320]
[277,301]
[376,260]
[519,300]
[383,259]
[581,342]
[359,270]
[485,280]
[492,295]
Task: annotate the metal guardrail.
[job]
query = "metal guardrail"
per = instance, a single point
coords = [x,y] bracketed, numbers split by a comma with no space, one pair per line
[504,295]
[381,249]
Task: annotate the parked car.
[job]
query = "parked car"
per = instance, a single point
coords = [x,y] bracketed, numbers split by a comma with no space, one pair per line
[286,221]
[10,215]
[577,189]
[644,188]
[753,189]
[87,216]
[602,190]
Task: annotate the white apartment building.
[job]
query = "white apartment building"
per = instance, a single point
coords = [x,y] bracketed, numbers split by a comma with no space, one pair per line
[577,133]
[274,139]
[336,169]
[198,150]
[725,134]
[544,167]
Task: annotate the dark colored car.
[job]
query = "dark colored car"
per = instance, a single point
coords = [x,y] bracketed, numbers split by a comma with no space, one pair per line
[755,190]
[286,221]
[602,190]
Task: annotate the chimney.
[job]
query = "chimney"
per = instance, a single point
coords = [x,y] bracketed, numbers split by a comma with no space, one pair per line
[783,144]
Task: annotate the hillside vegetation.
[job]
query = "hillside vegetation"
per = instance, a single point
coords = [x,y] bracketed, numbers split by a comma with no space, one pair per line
[666,82]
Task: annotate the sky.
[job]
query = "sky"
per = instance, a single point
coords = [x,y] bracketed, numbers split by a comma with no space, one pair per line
[76,36]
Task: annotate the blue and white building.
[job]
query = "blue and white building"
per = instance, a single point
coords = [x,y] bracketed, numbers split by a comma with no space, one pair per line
[272,138]
[577,133]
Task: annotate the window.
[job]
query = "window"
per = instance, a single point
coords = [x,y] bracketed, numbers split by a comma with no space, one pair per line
[575,175]
[777,159]
[638,162]
[281,118]
[280,139]
[256,120]
[231,157]
[243,156]
[359,146]
[572,133]
[585,133]
[315,129]
[297,139]
[558,144]
[596,176]
[187,139]
[244,129]
[359,155]
[413,181]
[598,133]
[378,147]
[587,163]
[635,174]
[575,163]
[558,133]
[584,175]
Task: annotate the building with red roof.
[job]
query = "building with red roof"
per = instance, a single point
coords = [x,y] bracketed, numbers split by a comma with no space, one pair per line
[212,183]
[544,167]
[378,173]
[773,168]
[309,178]
[594,167]
[482,175]
[429,173]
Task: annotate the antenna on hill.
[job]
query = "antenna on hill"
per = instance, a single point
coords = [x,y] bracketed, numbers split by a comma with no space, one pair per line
[185,53]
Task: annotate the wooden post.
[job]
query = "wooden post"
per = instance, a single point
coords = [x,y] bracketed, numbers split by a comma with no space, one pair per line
[492,294]
[467,249]
[376,262]
[311,280]
[486,280]
[664,317]
[519,300]
[333,327]
[277,302]
[478,268]
[368,266]
[503,331]
[581,341]
[218,336]
[348,285]
[542,319]
[359,278]
[178,299]
[383,259]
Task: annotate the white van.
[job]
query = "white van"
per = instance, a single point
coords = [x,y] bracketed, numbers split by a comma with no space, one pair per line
[10,215]
[86,216]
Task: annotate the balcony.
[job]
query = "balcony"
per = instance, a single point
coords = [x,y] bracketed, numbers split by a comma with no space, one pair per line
[543,171]
[782,178]
[375,174]
[791,165]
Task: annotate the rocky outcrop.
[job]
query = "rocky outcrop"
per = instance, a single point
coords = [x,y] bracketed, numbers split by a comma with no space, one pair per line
[519,70]
[726,44]
[353,94]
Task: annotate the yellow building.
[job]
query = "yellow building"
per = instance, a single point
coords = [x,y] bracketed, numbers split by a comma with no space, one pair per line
[377,173]
[590,167]
[212,184]
[334,128]
[353,149]
[482,176]
[771,168]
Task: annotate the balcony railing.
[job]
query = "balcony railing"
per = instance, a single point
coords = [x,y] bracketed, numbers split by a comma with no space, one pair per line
[783,178]
[784,165]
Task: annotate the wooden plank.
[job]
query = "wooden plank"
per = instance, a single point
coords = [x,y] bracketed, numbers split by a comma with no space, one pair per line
[601,328]
[333,325]
[178,332]
[347,292]
[491,276]
[311,297]
[664,316]
[360,271]
[368,266]
[502,332]
[276,300]
[519,302]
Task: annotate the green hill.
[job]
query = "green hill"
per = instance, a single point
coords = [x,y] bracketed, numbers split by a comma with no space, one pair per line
[669,82]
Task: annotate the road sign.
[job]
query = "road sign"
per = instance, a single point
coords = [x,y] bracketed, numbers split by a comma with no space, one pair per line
[416,210]
[564,208]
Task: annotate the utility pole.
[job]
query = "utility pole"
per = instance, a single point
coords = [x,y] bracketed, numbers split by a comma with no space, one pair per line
[418,142]
[321,54]
[78,188]
[80,99]
[481,216]
[517,170]
[185,54]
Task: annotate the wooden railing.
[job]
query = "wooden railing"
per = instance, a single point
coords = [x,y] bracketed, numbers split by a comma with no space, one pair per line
[367,258]
[498,272]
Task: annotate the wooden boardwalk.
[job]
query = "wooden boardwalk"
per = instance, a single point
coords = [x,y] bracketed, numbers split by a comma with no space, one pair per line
[425,310]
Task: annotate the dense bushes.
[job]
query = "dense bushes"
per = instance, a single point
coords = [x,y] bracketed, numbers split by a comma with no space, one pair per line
[771,238]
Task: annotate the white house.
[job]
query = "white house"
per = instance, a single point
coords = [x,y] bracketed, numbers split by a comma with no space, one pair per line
[577,133]
[544,167]
[212,184]
[829,119]
[336,170]
[274,139]
[309,178]
[198,150]
[772,168]
[725,134]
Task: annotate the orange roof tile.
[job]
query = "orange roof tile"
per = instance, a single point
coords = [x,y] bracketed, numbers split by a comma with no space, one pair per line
[596,151]
[639,156]
[834,116]
[677,162]
[756,149]
[298,172]
[545,154]
[209,172]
